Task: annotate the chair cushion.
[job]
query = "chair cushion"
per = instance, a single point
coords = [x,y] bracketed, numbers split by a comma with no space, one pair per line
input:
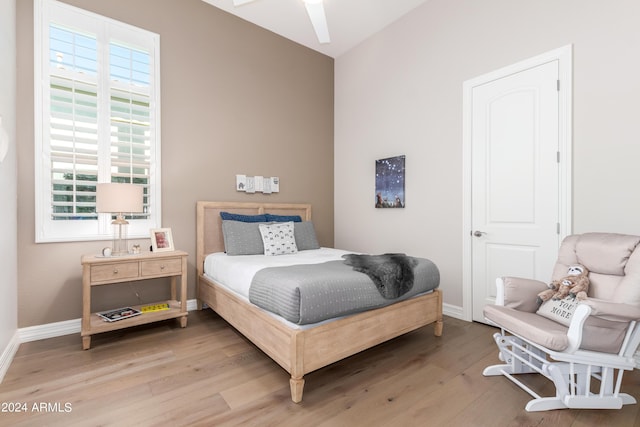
[603,335]
[613,263]
[522,294]
[530,326]
[628,291]
[605,253]
[599,334]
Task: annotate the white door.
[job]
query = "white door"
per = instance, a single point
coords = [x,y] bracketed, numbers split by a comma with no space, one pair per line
[515,227]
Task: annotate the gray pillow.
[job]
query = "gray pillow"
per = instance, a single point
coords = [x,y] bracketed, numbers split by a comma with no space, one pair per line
[305,236]
[242,238]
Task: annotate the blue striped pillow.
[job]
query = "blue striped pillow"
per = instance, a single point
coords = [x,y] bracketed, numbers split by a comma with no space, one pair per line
[243,218]
[283,218]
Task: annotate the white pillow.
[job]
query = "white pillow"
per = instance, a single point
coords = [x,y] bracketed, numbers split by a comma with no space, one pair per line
[278,238]
[560,310]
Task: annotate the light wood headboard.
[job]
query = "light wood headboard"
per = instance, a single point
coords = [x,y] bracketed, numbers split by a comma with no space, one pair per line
[209,224]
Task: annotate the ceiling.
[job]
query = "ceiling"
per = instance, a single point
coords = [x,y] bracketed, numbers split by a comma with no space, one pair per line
[350,21]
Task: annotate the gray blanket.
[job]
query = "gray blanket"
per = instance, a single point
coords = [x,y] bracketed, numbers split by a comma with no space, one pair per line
[314,292]
[391,273]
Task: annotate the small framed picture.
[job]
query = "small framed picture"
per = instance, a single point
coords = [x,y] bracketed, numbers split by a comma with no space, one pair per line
[161,240]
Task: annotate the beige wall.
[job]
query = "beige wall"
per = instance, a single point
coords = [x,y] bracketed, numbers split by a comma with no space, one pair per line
[400,92]
[235,99]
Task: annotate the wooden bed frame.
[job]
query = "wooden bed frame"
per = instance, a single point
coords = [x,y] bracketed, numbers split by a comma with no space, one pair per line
[300,351]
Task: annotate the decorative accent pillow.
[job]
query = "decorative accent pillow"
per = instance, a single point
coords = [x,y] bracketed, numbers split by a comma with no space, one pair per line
[243,218]
[305,236]
[283,218]
[278,238]
[242,238]
[560,311]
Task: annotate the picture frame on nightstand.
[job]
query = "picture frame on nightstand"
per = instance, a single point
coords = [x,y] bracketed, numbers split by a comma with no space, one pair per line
[161,240]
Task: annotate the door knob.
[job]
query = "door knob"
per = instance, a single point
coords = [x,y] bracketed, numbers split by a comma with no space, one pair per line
[478,233]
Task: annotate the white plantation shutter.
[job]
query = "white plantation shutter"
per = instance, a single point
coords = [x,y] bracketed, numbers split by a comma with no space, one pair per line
[131,115]
[73,123]
[97,120]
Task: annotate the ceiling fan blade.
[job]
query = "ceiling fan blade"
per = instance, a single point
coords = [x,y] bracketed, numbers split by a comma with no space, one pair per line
[315,9]
[241,2]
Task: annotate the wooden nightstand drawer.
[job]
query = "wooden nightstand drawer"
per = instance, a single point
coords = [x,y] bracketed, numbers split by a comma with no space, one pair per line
[123,270]
[161,266]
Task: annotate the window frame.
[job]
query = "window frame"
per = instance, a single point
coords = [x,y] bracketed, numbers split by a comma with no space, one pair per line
[107,30]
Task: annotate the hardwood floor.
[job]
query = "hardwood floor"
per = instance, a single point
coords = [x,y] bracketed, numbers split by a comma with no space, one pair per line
[209,375]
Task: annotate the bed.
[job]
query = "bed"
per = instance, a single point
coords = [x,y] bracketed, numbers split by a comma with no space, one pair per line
[301,350]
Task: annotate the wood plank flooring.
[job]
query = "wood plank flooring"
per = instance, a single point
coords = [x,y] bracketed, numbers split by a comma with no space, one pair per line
[209,375]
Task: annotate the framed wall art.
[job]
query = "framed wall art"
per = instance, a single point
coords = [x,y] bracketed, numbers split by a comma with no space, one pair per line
[390,182]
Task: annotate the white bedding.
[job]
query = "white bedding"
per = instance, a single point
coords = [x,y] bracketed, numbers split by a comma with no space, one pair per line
[236,272]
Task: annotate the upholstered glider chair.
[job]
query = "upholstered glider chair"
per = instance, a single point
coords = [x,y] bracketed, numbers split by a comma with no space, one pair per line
[586,355]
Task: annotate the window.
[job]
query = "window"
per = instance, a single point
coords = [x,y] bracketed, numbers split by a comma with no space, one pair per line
[97,118]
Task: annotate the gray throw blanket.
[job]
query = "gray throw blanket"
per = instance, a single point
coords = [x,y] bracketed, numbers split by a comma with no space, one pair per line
[391,273]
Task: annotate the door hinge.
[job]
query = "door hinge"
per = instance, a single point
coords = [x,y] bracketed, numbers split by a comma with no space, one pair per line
[557,157]
[557,228]
[558,85]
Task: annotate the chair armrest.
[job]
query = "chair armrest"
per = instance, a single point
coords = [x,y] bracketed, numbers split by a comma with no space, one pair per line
[574,334]
[518,293]
[615,311]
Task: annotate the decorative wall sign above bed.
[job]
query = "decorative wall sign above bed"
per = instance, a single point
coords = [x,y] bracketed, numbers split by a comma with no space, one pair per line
[390,182]
[258,184]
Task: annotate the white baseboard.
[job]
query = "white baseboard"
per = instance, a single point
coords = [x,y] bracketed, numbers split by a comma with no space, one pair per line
[67,327]
[192,304]
[49,330]
[7,355]
[453,311]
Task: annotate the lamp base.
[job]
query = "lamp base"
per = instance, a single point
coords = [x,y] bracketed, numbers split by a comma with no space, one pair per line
[120,246]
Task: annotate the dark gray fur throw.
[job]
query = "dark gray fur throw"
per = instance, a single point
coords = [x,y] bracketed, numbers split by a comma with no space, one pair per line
[391,273]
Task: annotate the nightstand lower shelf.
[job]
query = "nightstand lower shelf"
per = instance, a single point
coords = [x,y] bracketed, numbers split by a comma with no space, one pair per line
[99,325]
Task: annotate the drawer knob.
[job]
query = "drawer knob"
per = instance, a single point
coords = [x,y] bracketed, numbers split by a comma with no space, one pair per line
[162,267]
[115,271]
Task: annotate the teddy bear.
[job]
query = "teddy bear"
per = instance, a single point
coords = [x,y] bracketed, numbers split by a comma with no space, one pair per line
[575,284]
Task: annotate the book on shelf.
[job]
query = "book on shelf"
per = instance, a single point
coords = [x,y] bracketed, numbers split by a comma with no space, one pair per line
[119,314]
[154,307]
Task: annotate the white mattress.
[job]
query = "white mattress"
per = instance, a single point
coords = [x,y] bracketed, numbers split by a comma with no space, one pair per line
[236,272]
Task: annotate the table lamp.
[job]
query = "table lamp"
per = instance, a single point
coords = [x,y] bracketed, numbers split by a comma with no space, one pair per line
[119,199]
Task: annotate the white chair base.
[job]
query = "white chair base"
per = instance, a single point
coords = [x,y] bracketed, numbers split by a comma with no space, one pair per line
[572,380]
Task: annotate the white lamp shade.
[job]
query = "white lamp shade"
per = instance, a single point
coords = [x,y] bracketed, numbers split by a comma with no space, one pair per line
[118,198]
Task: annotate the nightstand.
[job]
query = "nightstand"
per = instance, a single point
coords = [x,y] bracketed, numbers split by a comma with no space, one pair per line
[98,271]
